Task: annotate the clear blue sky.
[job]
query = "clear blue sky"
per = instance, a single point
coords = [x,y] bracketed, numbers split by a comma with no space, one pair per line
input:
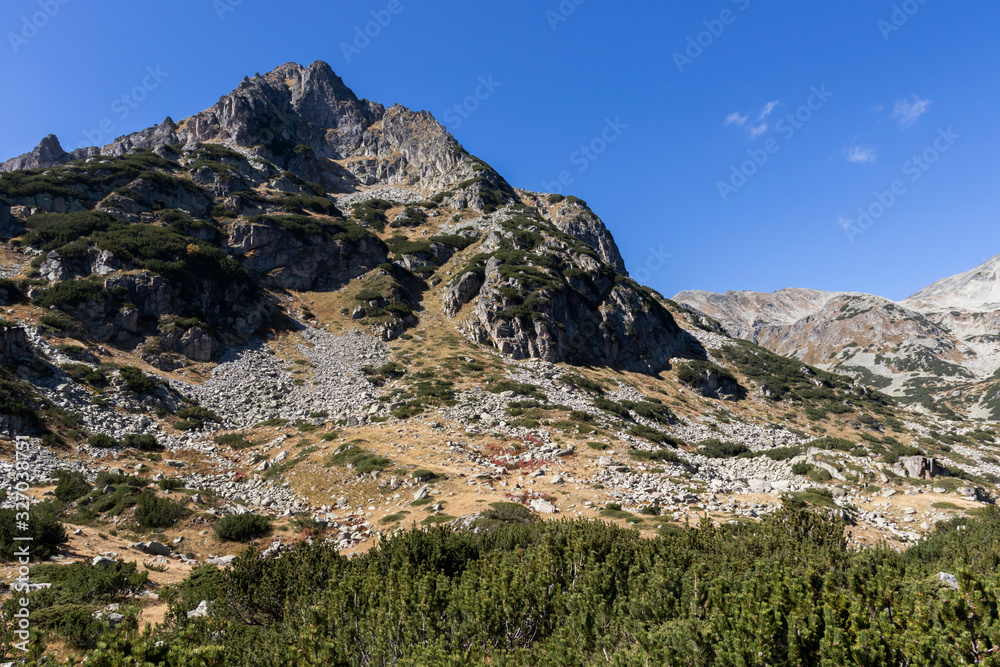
[656,184]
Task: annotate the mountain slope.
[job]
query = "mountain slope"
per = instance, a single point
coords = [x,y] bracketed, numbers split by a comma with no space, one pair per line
[307,307]
[937,346]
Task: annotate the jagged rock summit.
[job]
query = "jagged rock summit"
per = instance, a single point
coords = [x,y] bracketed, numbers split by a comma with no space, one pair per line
[548,281]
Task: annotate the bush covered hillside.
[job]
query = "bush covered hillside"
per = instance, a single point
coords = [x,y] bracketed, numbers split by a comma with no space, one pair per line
[299,380]
[786,591]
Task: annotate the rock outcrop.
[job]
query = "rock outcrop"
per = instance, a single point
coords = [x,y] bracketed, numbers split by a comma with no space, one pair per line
[302,261]
[537,292]
[47,153]
[305,120]
[9,226]
[14,344]
[576,218]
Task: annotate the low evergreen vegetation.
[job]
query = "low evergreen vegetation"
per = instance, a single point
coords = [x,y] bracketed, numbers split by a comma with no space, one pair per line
[786,591]
[241,527]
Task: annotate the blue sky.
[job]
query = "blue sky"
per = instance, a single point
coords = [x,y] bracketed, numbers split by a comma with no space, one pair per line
[685,93]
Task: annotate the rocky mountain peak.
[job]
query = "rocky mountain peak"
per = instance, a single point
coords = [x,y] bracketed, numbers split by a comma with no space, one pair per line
[47,153]
[976,290]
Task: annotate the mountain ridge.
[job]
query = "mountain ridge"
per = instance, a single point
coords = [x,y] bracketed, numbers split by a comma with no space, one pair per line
[940,336]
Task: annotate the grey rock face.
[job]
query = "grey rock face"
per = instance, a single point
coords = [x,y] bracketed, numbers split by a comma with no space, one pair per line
[919,467]
[299,118]
[584,313]
[462,292]
[196,345]
[283,259]
[9,225]
[577,219]
[46,154]
[14,344]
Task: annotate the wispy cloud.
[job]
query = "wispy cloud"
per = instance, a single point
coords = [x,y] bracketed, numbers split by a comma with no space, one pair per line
[859,153]
[736,118]
[758,126]
[907,111]
[845,223]
[767,109]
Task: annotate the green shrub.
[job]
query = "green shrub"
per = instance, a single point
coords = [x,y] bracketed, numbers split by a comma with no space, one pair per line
[71,485]
[102,440]
[653,435]
[716,449]
[233,440]
[583,383]
[56,321]
[50,231]
[692,373]
[241,527]
[84,373]
[137,381]
[659,456]
[361,461]
[456,241]
[505,514]
[152,511]
[801,468]
[145,442]
[43,527]
[519,388]
[104,478]
[275,422]
[77,590]
[194,417]
[783,453]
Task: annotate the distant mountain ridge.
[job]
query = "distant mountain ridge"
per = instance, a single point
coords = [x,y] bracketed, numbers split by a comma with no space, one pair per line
[938,345]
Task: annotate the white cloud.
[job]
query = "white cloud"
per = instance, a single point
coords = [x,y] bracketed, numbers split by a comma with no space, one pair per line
[860,154]
[756,128]
[906,112]
[766,110]
[736,118]
[845,223]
